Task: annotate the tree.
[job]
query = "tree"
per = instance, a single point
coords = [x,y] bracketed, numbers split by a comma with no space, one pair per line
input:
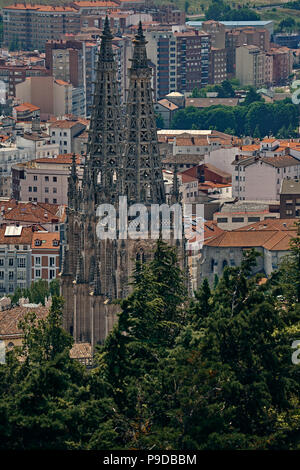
[159,121]
[229,383]
[54,288]
[251,97]
[47,399]
[151,317]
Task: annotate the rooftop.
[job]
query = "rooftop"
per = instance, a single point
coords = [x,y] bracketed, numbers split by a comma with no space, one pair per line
[9,319]
[271,234]
[290,186]
[45,240]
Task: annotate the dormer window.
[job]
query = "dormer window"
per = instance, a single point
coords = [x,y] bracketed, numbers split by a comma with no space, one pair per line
[55,242]
[37,242]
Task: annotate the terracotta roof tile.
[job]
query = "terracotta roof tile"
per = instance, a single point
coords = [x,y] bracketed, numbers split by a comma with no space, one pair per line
[24,238]
[9,319]
[46,239]
[29,212]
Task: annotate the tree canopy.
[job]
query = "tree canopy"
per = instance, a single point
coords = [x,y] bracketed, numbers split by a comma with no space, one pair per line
[247,119]
[212,372]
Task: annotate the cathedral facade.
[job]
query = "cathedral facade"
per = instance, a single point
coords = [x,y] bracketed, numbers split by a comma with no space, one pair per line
[122,160]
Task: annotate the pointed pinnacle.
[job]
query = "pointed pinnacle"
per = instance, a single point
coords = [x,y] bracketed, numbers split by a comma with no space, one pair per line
[140,34]
[106,31]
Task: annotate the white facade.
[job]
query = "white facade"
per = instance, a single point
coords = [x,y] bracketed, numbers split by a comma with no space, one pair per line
[261,181]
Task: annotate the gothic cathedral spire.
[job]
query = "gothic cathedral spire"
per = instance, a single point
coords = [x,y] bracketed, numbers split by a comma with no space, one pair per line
[142,177]
[105,134]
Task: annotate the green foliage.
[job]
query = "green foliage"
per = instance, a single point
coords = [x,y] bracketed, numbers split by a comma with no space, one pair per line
[293,5]
[287,24]
[212,373]
[37,292]
[220,11]
[256,119]
[159,121]
[225,90]
[47,400]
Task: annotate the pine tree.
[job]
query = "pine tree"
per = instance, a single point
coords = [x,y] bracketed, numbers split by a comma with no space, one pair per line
[46,398]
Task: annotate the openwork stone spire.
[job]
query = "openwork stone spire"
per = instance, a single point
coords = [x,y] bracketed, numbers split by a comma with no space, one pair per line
[142,178]
[105,134]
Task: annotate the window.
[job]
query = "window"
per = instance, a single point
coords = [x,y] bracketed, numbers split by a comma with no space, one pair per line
[37,260]
[237,219]
[54,179]
[35,178]
[2,275]
[52,273]
[21,275]
[52,261]
[46,189]
[10,275]
[222,220]
[46,178]
[54,201]
[54,190]
[21,262]
[1,262]
[10,262]
[34,189]
[37,273]
[30,189]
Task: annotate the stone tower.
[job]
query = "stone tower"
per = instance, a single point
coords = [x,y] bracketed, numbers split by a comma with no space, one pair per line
[122,160]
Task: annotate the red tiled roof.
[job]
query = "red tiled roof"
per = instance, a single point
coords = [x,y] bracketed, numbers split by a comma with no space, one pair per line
[24,238]
[9,319]
[29,212]
[24,6]
[47,239]
[272,234]
[26,106]
[61,159]
[64,124]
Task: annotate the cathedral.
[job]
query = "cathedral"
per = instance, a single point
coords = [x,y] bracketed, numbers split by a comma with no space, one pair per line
[122,160]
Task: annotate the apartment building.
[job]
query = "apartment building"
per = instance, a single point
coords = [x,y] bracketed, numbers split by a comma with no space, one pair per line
[253,66]
[217,32]
[43,180]
[290,199]
[193,58]
[57,101]
[11,75]
[282,64]
[45,256]
[218,65]
[234,38]
[27,255]
[181,60]
[15,258]
[74,61]
[63,132]
[259,177]
[32,25]
[25,148]
[168,14]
